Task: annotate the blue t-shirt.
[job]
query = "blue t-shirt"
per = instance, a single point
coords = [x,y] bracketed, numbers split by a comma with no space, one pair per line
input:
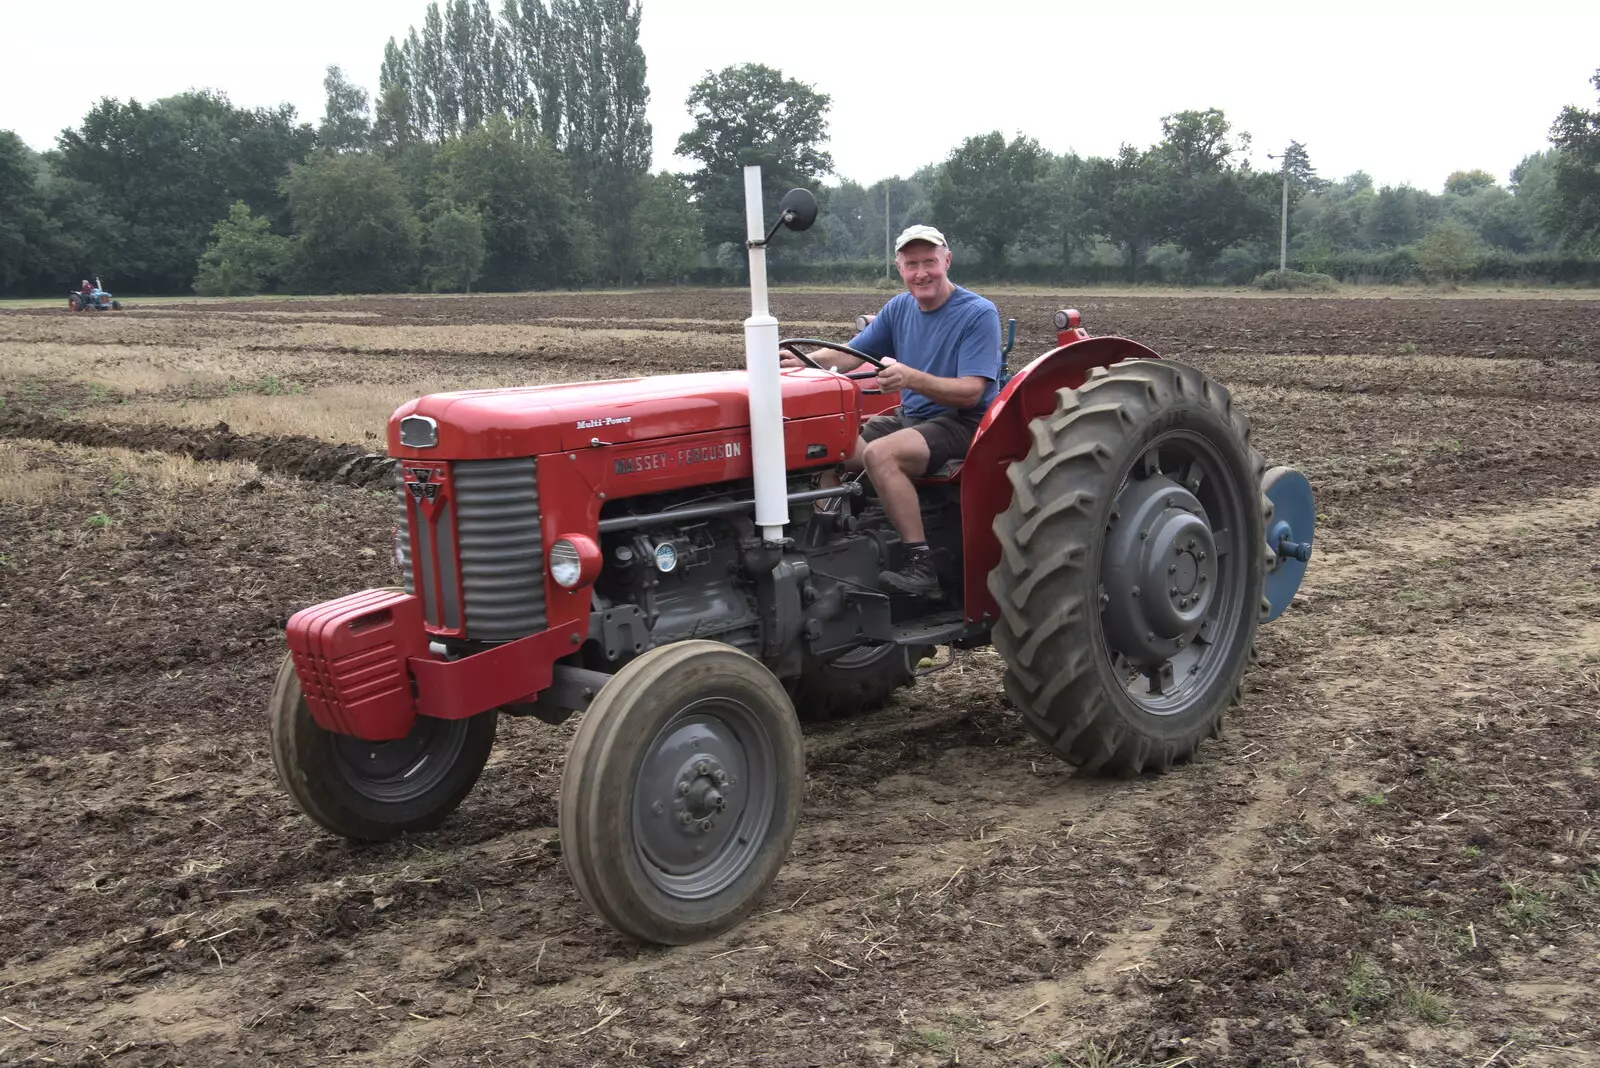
[959,338]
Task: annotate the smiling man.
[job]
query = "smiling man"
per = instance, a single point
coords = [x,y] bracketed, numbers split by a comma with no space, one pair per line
[941,348]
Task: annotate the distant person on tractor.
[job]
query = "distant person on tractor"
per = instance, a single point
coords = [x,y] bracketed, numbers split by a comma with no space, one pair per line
[941,347]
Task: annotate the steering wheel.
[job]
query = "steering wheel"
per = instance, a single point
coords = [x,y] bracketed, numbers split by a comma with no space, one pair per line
[877,364]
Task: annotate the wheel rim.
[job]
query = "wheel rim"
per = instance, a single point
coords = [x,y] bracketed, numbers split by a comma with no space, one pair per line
[704,798]
[1174,573]
[406,768]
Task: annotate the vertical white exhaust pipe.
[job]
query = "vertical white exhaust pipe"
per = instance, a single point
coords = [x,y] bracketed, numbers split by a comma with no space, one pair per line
[766,388]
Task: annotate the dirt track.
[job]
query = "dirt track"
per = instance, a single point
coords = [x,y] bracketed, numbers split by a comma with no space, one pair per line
[1389,859]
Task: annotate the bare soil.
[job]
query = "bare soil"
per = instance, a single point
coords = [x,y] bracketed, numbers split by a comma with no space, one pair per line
[1390,858]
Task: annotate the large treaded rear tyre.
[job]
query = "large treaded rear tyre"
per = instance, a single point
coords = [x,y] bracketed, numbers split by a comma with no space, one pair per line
[374,791]
[1124,638]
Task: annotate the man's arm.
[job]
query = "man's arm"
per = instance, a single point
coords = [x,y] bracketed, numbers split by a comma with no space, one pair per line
[977,365]
[877,339]
[958,393]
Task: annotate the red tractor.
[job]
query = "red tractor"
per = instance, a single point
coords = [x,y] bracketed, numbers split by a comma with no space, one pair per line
[651,552]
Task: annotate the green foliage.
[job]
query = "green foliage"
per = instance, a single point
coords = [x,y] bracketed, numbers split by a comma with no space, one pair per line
[354,231]
[1448,252]
[25,230]
[1533,190]
[851,225]
[346,126]
[1465,183]
[394,126]
[605,134]
[167,172]
[668,229]
[1399,216]
[988,192]
[1303,281]
[1525,908]
[534,230]
[1426,1005]
[455,250]
[244,258]
[752,114]
[1124,198]
[1365,989]
[1575,211]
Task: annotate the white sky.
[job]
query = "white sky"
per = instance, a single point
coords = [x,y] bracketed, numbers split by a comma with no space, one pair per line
[1405,91]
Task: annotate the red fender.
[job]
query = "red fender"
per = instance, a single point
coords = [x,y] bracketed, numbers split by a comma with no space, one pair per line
[1003,438]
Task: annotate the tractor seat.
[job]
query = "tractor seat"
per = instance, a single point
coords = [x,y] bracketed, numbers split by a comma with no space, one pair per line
[949,472]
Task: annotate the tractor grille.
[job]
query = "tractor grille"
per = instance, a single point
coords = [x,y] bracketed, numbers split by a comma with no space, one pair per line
[501,550]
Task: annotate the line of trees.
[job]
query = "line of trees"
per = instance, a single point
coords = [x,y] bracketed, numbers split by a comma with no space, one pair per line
[510,151]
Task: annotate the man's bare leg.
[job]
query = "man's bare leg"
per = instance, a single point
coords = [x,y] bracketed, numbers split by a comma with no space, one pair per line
[891,462]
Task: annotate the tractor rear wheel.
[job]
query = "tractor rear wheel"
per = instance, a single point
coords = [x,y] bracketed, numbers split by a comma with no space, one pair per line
[681,792]
[1132,558]
[859,681]
[374,791]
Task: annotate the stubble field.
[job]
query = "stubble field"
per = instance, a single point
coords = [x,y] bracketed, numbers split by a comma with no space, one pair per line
[1390,857]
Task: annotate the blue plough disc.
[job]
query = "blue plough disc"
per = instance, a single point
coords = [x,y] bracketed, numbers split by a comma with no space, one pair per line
[1289,531]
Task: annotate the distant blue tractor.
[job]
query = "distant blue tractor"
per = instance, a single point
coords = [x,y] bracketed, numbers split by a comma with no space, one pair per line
[92,298]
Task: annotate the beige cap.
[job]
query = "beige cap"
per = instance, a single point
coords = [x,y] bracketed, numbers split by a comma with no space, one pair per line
[918,233]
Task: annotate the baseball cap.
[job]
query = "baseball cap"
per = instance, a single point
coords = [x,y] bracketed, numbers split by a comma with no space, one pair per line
[918,233]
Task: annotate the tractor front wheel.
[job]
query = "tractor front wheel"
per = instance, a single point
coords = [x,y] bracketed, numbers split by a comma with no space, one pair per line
[681,792]
[1132,559]
[374,791]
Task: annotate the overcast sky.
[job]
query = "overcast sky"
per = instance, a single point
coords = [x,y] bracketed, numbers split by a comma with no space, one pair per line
[1405,91]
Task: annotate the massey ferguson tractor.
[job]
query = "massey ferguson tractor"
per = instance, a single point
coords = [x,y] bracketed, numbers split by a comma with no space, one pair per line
[651,552]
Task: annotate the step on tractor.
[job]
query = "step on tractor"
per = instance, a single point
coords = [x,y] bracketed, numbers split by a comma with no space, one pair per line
[660,555]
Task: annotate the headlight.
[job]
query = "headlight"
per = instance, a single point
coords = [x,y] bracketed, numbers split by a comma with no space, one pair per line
[574,561]
[565,567]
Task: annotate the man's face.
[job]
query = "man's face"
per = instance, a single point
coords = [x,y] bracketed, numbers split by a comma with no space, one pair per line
[923,268]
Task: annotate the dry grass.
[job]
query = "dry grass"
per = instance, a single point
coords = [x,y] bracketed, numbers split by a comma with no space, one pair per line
[126,368]
[21,482]
[484,339]
[353,414]
[32,472]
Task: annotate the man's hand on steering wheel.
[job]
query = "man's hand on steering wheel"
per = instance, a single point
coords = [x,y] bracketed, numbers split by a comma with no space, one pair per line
[893,375]
[789,358]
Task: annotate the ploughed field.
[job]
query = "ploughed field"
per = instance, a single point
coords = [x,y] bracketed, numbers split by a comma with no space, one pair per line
[1390,858]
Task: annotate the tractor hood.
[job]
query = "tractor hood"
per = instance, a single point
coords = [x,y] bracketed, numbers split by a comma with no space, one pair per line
[486,424]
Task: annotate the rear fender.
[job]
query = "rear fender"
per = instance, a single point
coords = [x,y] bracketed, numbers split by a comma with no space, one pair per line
[1003,438]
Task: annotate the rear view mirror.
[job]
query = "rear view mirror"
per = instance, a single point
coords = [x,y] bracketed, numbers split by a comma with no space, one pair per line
[799,209]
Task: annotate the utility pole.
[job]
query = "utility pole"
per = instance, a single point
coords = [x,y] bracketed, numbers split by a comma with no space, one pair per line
[888,242]
[1283,229]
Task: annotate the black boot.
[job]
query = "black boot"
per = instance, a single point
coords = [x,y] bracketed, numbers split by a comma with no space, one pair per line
[916,576]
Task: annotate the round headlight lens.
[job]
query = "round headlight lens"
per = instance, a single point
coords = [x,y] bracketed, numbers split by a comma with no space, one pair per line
[565,566]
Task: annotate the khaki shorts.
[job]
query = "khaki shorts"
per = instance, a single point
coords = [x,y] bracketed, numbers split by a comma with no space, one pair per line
[948,435]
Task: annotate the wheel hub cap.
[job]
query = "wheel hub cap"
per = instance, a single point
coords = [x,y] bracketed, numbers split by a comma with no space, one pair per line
[1159,570]
[689,800]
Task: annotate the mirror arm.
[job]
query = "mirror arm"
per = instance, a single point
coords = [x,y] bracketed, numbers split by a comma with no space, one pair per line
[785,217]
